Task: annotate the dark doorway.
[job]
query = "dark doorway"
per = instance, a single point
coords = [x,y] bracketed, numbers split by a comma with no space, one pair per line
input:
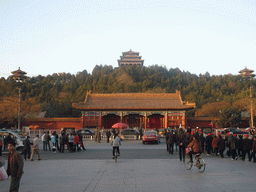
[155,121]
[109,120]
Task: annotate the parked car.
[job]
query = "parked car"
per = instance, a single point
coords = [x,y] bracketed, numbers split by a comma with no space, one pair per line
[87,132]
[129,134]
[19,144]
[234,131]
[151,136]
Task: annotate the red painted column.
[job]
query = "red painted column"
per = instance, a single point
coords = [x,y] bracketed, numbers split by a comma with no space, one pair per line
[100,121]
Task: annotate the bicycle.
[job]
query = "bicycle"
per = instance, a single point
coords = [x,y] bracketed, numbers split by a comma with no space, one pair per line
[199,163]
[115,154]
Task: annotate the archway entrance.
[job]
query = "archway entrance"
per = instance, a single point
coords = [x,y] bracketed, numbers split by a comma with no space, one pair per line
[133,120]
[109,120]
[156,121]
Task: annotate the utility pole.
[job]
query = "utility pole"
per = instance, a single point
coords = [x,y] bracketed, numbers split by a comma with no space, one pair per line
[251,107]
[19,110]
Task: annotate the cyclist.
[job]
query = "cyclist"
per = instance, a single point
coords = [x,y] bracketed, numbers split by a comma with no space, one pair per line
[195,146]
[116,142]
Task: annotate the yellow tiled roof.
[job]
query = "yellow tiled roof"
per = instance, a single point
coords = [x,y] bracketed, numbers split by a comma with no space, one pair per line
[139,101]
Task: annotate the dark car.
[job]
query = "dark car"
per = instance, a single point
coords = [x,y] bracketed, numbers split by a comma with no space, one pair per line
[129,134]
[87,132]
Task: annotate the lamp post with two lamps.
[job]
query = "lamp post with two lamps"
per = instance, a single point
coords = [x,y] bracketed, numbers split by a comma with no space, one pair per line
[248,74]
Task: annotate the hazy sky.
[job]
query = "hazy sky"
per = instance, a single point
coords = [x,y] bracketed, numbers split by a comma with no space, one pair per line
[50,36]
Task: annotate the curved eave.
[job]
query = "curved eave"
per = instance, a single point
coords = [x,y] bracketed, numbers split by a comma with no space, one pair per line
[134,109]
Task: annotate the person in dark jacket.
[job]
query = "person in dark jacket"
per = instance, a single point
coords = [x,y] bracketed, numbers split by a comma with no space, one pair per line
[47,140]
[181,143]
[108,134]
[240,146]
[63,141]
[81,140]
[141,134]
[171,139]
[202,141]
[221,144]
[27,148]
[15,166]
[246,147]
[232,146]
[166,139]
[208,143]
[254,149]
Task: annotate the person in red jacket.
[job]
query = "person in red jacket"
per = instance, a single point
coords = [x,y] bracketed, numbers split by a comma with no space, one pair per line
[76,142]
[215,145]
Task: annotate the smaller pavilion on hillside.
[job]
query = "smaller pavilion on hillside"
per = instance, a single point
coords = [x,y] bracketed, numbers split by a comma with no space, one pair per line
[146,110]
[247,73]
[130,58]
[18,75]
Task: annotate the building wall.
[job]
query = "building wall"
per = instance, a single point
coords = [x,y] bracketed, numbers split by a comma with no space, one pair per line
[54,123]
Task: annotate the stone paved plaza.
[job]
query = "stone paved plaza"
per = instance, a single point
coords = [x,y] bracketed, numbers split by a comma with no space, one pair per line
[129,175]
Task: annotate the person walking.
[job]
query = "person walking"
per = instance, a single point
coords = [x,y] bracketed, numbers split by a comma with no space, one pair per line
[171,139]
[208,143]
[232,146]
[76,142]
[1,145]
[202,141]
[71,142]
[221,144]
[44,142]
[215,146]
[240,146]
[181,143]
[81,140]
[96,134]
[246,147]
[35,148]
[47,140]
[254,149]
[62,142]
[108,134]
[27,148]
[53,139]
[166,139]
[141,134]
[15,166]
[67,143]
[57,141]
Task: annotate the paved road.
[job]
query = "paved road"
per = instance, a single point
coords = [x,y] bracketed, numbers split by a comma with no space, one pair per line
[149,170]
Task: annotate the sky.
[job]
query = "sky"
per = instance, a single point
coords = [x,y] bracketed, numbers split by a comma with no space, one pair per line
[43,37]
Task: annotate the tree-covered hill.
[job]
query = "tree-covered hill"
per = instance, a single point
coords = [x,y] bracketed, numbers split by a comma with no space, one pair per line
[56,93]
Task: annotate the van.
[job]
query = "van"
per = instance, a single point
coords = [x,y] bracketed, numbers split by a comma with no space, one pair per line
[19,142]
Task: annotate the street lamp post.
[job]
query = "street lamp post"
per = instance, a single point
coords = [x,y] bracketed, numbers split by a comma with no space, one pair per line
[19,76]
[248,73]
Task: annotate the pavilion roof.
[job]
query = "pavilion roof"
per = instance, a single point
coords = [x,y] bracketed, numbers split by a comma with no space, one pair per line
[133,101]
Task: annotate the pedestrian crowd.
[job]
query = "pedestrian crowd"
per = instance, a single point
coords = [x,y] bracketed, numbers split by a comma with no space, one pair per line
[227,144]
[73,142]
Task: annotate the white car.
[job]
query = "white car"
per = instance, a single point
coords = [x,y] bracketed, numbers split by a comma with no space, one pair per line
[19,144]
